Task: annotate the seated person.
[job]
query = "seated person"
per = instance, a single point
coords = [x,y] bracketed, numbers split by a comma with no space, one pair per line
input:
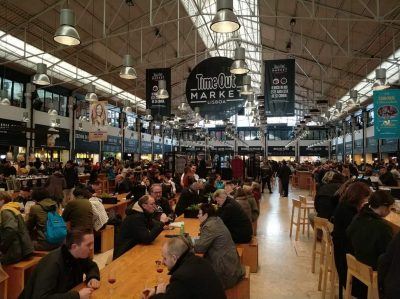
[100,217]
[233,216]
[189,196]
[122,185]
[209,187]
[389,270]
[386,177]
[161,202]
[187,272]
[37,219]
[139,226]
[62,269]
[370,235]
[219,184]
[241,198]
[15,243]
[78,212]
[217,245]
[255,212]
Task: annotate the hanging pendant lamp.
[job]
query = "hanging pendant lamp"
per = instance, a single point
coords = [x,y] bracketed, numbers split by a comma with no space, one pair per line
[67,34]
[162,92]
[127,70]
[225,20]
[246,88]
[91,95]
[239,65]
[41,78]
[380,79]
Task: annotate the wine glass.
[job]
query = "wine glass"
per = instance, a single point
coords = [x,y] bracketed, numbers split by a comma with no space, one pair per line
[112,279]
[159,269]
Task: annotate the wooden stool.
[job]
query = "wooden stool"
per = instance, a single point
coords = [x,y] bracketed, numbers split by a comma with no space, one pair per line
[254,224]
[250,254]
[19,273]
[363,273]
[240,254]
[3,283]
[242,289]
[327,262]
[302,218]
[319,223]
[295,181]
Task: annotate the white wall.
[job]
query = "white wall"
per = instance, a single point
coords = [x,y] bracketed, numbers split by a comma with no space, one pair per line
[11,112]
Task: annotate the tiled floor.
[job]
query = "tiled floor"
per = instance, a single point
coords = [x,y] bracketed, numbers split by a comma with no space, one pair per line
[284,264]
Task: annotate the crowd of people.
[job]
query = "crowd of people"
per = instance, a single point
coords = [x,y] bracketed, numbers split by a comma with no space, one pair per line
[227,211]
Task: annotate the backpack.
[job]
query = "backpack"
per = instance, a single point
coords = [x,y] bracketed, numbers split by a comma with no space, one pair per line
[56,230]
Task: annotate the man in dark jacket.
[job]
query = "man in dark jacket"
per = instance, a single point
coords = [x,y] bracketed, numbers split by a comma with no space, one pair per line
[79,212]
[62,269]
[139,226]
[162,202]
[122,185]
[71,178]
[189,275]
[234,217]
[284,175]
[389,270]
[190,196]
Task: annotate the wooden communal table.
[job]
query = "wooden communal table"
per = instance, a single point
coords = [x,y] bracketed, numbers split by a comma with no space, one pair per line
[136,269]
[393,219]
[120,206]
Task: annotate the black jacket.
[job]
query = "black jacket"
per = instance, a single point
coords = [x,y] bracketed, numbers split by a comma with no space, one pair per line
[56,274]
[164,204]
[188,197]
[369,236]
[389,270]
[138,227]
[123,187]
[192,277]
[325,202]
[71,177]
[236,220]
[284,173]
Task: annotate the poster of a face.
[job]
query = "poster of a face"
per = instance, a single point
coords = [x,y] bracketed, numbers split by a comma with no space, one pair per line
[98,113]
[51,139]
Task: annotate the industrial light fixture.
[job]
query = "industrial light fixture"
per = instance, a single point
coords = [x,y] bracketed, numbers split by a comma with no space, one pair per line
[225,20]
[127,109]
[183,106]
[162,92]
[148,116]
[41,78]
[4,98]
[246,89]
[239,65]
[91,95]
[52,112]
[380,79]
[25,116]
[67,34]
[127,70]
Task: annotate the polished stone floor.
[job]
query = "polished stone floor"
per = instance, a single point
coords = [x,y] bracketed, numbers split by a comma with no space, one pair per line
[284,264]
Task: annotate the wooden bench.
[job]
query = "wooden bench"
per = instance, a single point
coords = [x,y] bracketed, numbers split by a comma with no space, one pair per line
[254,224]
[19,273]
[240,253]
[107,238]
[250,254]
[3,283]
[242,289]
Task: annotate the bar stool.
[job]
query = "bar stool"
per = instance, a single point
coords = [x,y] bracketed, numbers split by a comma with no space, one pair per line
[363,273]
[319,223]
[303,209]
[327,265]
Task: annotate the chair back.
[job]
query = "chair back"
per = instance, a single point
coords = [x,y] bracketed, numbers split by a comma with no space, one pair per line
[296,203]
[359,270]
[302,199]
[320,222]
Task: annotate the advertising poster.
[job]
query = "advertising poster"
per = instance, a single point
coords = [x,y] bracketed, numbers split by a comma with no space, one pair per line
[279,87]
[213,89]
[49,137]
[12,133]
[387,114]
[159,107]
[98,121]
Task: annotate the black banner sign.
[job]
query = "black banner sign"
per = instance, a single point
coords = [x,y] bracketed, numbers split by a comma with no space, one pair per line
[281,151]
[83,145]
[49,137]
[256,149]
[321,151]
[348,148]
[212,88]
[243,150]
[112,145]
[279,87]
[159,107]
[12,133]
[358,146]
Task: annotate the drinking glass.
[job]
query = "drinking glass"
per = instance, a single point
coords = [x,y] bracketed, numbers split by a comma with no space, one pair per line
[112,279]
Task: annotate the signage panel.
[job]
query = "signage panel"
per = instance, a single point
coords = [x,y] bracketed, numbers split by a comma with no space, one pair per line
[281,151]
[159,107]
[83,145]
[49,137]
[387,114]
[12,133]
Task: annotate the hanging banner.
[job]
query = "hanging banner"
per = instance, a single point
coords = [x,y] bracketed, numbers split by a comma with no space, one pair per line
[159,107]
[279,86]
[213,89]
[321,151]
[12,133]
[98,121]
[387,114]
[82,144]
[49,137]
[281,151]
